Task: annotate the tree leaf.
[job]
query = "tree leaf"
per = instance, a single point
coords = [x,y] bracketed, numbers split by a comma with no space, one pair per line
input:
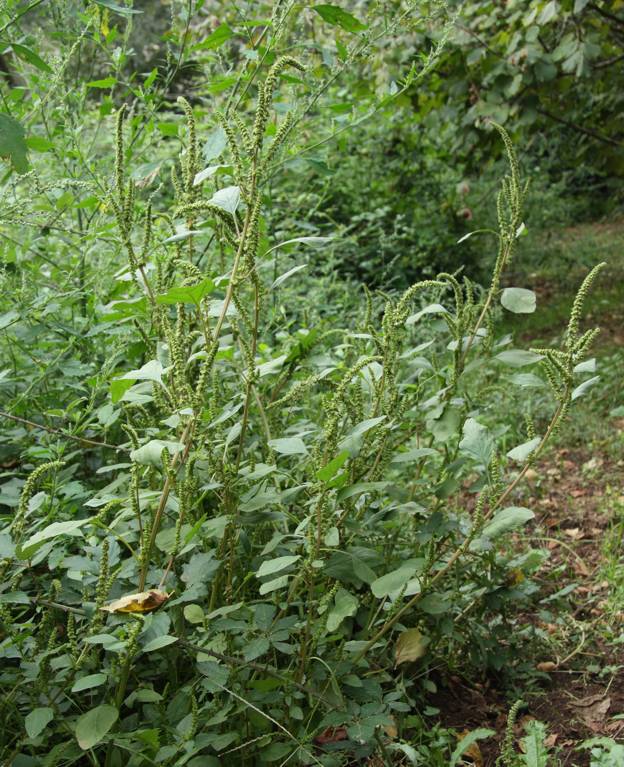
[37,720]
[215,144]
[13,144]
[215,39]
[193,613]
[391,583]
[56,529]
[88,682]
[410,646]
[191,294]
[329,470]
[288,446]
[208,172]
[335,16]
[477,441]
[159,642]
[581,389]
[122,10]
[519,300]
[94,725]
[151,371]
[518,358]
[276,565]
[506,520]
[283,277]
[107,82]
[345,606]
[523,451]
[150,454]
[227,198]
[31,57]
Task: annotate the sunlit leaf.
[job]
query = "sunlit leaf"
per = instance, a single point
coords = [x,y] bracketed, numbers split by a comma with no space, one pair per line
[143,602]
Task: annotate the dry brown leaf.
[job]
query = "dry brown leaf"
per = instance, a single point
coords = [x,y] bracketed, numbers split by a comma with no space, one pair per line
[593,710]
[143,602]
[547,666]
[473,752]
[574,532]
[411,645]
[551,740]
[331,735]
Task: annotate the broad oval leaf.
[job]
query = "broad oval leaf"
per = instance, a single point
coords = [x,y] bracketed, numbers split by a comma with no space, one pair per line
[276,565]
[519,300]
[94,725]
[37,720]
[506,520]
[410,646]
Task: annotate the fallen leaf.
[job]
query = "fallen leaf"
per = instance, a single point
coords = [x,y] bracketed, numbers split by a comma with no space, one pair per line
[550,741]
[546,666]
[593,710]
[331,735]
[473,752]
[143,602]
[574,532]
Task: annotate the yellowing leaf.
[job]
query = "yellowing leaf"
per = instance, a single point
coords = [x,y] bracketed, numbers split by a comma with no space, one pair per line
[143,602]
[411,645]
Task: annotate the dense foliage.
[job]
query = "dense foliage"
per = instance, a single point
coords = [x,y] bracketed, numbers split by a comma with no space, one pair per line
[247,505]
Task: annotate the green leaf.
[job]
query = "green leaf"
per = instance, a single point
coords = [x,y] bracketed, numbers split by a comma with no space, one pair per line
[288,446]
[227,198]
[477,441]
[273,585]
[518,358]
[39,144]
[411,645]
[329,470]
[534,748]
[519,300]
[37,721]
[159,642]
[283,277]
[151,371]
[581,389]
[523,451]
[107,82]
[120,9]
[88,682]
[467,741]
[150,454]
[12,143]
[31,57]
[506,520]
[353,440]
[345,606]
[56,529]
[208,172]
[187,295]
[580,5]
[215,39]
[447,425]
[276,565]
[390,584]
[94,725]
[118,387]
[335,16]
[587,366]
[193,613]
[215,144]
